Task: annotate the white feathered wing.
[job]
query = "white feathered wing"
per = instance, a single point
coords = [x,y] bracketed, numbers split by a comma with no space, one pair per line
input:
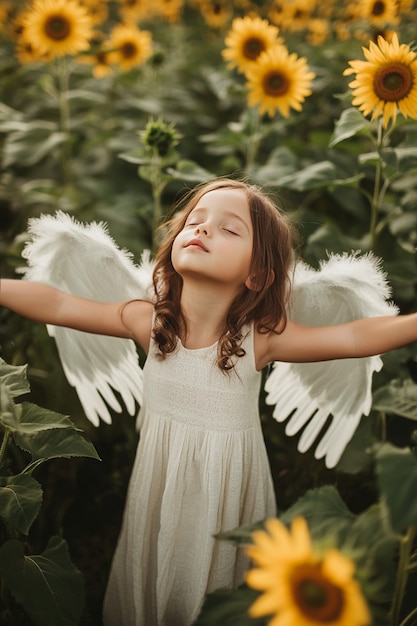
[346,287]
[82,259]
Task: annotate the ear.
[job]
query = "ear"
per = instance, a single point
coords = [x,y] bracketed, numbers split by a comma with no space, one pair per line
[254,284]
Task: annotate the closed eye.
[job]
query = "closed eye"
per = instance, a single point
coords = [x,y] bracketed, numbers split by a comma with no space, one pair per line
[232,232]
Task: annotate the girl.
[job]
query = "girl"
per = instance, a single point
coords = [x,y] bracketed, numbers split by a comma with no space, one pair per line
[221,285]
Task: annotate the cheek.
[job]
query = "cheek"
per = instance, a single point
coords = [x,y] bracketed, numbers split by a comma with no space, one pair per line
[176,246]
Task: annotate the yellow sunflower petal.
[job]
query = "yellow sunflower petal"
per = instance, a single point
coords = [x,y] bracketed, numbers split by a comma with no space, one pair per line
[131,46]
[246,40]
[57,27]
[279,81]
[386,83]
[299,587]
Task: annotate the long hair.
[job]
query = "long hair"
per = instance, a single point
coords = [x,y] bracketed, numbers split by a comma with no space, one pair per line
[264,304]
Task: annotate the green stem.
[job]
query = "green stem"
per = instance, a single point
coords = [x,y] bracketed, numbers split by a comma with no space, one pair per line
[64,119]
[157,188]
[253,141]
[376,196]
[406,543]
[409,617]
[7,435]
[383,423]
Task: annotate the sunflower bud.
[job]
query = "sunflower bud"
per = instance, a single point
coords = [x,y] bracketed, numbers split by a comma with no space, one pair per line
[159,136]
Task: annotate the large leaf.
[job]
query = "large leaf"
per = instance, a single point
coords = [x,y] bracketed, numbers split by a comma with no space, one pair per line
[374,547]
[398,397]
[36,419]
[397,479]
[20,501]
[15,379]
[48,585]
[323,509]
[56,443]
[316,175]
[350,123]
[325,512]
[229,607]
[406,158]
[188,171]
[10,412]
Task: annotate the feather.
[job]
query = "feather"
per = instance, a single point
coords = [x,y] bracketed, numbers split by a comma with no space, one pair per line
[331,394]
[82,259]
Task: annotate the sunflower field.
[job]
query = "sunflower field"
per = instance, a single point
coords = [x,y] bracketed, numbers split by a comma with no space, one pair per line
[109,111]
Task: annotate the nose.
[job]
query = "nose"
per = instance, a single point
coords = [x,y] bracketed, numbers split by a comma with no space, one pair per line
[202,228]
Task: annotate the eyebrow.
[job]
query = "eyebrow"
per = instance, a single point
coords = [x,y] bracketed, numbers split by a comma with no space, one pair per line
[226,213]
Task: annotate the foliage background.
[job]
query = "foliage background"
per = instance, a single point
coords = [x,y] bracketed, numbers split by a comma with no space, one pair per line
[89,168]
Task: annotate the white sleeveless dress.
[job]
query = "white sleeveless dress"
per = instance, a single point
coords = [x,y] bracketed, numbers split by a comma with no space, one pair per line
[201,468]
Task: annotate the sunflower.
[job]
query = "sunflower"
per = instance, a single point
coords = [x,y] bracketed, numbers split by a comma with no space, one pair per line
[299,587]
[169,10]
[98,10]
[58,27]
[6,14]
[216,14]
[318,31]
[297,14]
[100,62]
[247,39]
[379,12]
[279,80]
[26,54]
[132,46]
[387,82]
[135,10]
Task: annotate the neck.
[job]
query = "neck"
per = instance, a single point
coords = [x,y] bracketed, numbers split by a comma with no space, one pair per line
[205,311]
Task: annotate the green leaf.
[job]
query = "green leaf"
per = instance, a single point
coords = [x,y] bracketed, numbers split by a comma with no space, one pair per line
[29,147]
[20,501]
[229,607]
[397,479]
[37,419]
[316,175]
[48,585]
[9,411]
[406,158]
[15,379]
[398,397]
[27,418]
[189,171]
[373,546]
[328,238]
[242,535]
[350,123]
[324,510]
[56,443]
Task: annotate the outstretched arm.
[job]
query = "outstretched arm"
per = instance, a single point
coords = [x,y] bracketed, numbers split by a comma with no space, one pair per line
[51,306]
[360,338]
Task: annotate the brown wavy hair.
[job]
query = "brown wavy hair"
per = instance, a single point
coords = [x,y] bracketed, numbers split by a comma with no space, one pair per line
[272,259]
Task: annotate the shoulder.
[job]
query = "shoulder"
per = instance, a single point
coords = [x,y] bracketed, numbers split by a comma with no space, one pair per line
[137,316]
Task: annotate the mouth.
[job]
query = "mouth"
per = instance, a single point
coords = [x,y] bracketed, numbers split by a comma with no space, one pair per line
[196,243]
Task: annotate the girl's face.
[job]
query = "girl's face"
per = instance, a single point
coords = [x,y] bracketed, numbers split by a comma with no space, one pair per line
[217,239]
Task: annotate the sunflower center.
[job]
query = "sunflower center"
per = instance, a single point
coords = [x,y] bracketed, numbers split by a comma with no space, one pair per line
[393,82]
[253,47]
[275,84]
[128,50]
[378,8]
[57,27]
[316,596]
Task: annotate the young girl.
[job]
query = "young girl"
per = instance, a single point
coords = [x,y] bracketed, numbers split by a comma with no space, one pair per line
[219,316]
